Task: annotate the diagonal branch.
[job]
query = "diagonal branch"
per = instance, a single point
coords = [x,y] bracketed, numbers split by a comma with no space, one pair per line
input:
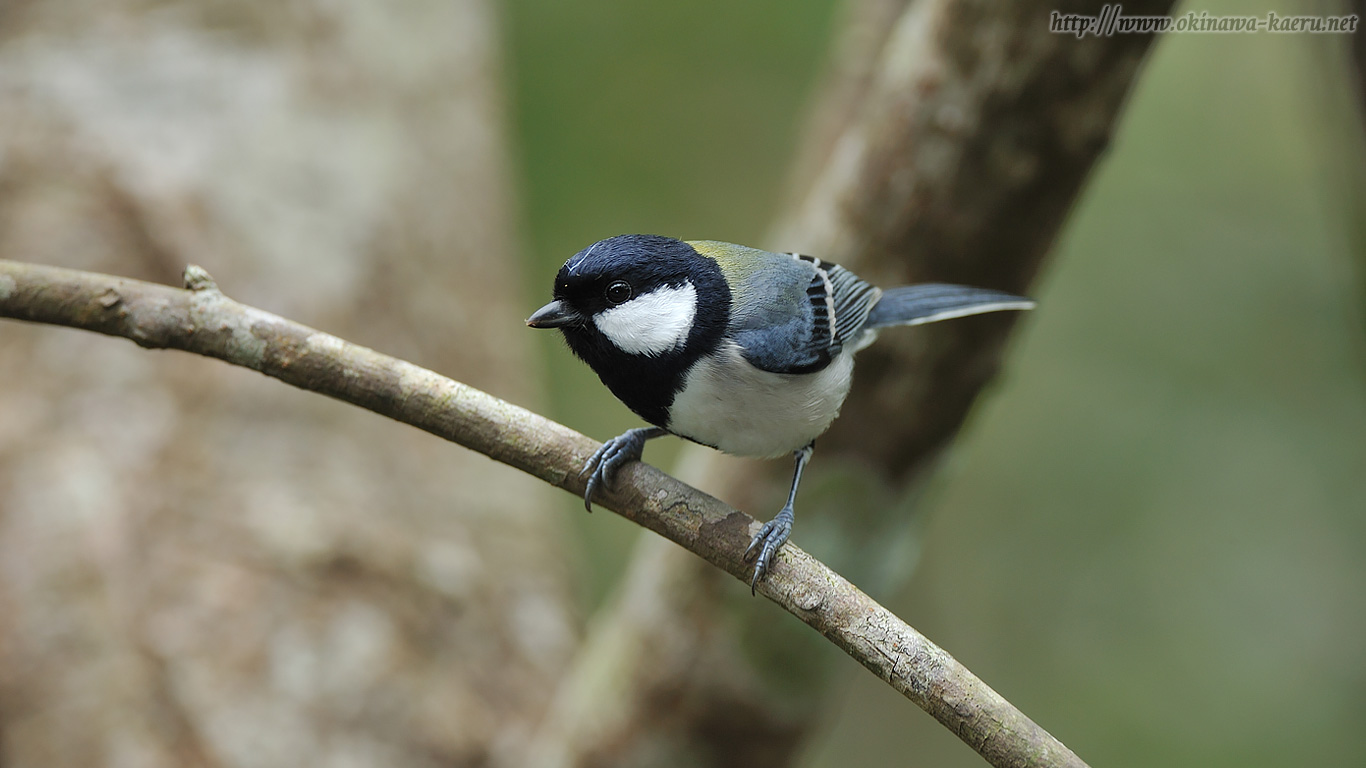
[204,321]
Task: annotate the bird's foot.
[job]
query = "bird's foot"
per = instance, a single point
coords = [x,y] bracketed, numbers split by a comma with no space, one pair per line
[766,542]
[605,461]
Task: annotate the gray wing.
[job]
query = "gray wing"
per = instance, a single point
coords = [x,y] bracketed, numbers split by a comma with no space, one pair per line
[799,317]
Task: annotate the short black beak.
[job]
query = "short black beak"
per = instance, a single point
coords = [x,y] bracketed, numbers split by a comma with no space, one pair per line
[553,315]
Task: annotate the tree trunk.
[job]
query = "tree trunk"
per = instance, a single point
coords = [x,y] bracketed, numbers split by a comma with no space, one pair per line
[202,567]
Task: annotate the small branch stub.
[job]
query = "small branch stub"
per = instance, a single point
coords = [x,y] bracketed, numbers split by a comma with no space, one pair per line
[198,279]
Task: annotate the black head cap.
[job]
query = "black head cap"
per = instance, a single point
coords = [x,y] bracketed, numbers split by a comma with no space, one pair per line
[614,271]
[643,262]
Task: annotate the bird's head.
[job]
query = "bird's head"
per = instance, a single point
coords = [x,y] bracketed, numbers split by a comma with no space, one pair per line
[640,310]
[644,295]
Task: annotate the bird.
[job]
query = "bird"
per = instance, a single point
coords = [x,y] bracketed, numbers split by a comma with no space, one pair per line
[747,351]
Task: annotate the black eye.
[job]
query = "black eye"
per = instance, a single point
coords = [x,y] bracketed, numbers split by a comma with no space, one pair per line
[617,292]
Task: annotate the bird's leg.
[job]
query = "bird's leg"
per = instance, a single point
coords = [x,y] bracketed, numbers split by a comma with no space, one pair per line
[613,453]
[775,531]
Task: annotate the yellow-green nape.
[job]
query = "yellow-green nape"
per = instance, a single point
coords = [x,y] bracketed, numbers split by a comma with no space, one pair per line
[737,262]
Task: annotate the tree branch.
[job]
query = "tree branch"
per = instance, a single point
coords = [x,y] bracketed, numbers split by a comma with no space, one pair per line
[204,321]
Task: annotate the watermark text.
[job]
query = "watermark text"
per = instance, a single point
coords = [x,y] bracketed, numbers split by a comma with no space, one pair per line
[1112,21]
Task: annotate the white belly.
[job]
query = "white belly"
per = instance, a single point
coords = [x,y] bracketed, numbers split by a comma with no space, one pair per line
[730,404]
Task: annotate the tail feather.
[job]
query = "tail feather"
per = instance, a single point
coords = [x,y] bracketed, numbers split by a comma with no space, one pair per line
[932,302]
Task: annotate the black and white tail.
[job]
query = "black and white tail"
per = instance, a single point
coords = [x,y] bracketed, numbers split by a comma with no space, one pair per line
[932,302]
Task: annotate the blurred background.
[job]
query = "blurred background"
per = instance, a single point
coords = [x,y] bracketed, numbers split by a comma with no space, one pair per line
[1150,537]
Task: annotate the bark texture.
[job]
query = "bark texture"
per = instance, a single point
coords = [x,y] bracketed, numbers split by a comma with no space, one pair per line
[199,567]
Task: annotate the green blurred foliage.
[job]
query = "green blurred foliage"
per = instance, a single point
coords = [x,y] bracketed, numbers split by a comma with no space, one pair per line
[1151,537]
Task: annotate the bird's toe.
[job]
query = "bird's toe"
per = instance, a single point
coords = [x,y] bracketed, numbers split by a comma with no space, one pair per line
[765,544]
[602,466]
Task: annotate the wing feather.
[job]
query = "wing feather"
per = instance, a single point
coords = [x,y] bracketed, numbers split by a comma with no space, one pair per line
[791,313]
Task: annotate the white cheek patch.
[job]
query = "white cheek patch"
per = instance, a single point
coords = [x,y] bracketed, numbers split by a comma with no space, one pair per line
[653,323]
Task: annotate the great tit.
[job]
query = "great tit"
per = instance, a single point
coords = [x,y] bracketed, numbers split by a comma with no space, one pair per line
[746,351]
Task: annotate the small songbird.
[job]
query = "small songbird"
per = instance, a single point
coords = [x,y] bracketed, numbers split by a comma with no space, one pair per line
[742,350]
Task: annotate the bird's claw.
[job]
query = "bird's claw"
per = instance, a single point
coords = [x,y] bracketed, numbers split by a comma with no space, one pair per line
[605,461]
[766,542]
